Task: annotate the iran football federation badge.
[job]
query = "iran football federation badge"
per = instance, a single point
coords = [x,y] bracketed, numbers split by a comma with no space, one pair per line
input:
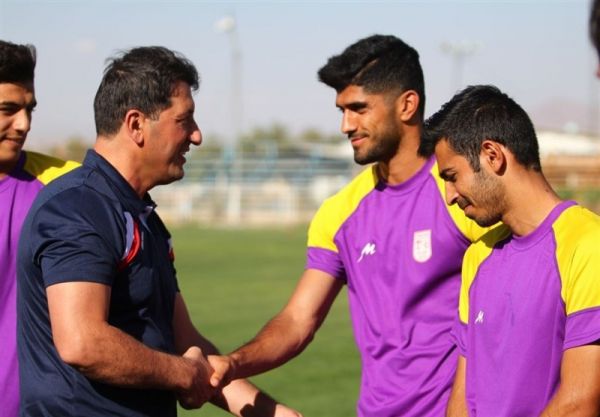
[422,245]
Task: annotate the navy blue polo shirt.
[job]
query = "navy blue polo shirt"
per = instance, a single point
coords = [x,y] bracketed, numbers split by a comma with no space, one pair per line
[80,228]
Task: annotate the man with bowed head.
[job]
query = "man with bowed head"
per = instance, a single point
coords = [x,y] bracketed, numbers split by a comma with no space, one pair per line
[388,236]
[22,175]
[529,313]
[103,328]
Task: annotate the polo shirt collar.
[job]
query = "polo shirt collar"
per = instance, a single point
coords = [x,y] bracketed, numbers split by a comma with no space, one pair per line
[120,186]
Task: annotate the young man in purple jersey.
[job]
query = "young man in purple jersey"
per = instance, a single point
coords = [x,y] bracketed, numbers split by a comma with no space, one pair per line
[22,175]
[388,236]
[529,313]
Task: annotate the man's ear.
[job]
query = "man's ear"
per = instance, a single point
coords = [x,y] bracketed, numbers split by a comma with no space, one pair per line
[493,155]
[407,105]
[134,125]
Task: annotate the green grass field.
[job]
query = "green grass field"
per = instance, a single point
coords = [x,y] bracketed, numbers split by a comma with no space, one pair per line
[233,281]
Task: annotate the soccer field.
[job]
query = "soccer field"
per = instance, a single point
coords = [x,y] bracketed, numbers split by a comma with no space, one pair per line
[233,281]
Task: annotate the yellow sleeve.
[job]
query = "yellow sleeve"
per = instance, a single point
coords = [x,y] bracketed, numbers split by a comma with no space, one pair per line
[335,210]
[474,256]
[46,168]
[577,233]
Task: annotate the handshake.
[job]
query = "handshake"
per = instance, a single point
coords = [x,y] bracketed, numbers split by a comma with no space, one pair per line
[209,376]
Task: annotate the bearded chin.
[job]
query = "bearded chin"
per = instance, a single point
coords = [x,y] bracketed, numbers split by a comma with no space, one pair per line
[489,220]
[383,151]
[364,159]
[486,221]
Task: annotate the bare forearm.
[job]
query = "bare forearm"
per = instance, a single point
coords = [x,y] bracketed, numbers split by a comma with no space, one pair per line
[241,396]
[85,340]
[278,342]
[109,355]
[457,404]
[456,408]
[243,399]
[578,394]
[568,405]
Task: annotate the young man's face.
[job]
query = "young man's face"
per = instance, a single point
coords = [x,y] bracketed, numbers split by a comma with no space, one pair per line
[369,122]
[170,136]
[479,194]
[17,102]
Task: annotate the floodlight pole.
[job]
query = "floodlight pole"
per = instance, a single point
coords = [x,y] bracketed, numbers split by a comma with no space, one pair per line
[459,51]
[228,25]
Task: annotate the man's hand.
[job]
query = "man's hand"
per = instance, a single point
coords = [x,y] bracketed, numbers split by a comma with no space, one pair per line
[224,371]
[199,389]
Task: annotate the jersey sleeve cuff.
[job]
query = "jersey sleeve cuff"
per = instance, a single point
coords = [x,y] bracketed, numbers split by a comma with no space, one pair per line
[459,336]
[325,260]
[582,328]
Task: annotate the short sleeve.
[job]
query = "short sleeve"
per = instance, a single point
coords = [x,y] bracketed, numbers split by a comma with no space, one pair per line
[325,260]
[577,234]
[322,252]
[459,336]
[76,236]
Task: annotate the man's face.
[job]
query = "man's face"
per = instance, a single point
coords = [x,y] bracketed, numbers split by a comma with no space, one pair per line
[169,137]
[17,101]
[369,122]
[479,194]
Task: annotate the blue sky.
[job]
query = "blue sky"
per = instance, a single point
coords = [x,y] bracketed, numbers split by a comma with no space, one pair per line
[537,51]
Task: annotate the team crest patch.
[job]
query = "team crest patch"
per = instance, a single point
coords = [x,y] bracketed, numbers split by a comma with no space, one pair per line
[422,245]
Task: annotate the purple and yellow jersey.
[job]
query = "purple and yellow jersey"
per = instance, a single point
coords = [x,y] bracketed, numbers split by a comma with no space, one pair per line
[399,249]
[523,302]
[17,192]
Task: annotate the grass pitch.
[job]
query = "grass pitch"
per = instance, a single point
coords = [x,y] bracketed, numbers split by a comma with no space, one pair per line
[234,281]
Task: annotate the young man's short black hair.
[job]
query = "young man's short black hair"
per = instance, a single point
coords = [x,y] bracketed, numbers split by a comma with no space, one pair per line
[17,63]
[483,112]
[380,64]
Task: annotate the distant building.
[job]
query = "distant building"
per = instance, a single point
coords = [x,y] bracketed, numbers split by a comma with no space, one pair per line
[569,160]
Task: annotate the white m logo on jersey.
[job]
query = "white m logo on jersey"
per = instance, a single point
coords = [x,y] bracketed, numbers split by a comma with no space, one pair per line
[369,249]
[479,318]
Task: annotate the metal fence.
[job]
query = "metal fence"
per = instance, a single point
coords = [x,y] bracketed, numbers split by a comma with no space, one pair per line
[276,188]
[253,189]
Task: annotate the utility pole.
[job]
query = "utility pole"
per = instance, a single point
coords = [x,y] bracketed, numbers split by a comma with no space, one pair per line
[459,52]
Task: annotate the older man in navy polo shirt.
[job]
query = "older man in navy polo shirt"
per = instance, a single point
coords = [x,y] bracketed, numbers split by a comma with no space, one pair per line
[103,329]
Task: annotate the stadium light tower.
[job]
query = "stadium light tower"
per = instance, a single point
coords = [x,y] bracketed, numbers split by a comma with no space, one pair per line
[233,211]
[228,25]
[459,51]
